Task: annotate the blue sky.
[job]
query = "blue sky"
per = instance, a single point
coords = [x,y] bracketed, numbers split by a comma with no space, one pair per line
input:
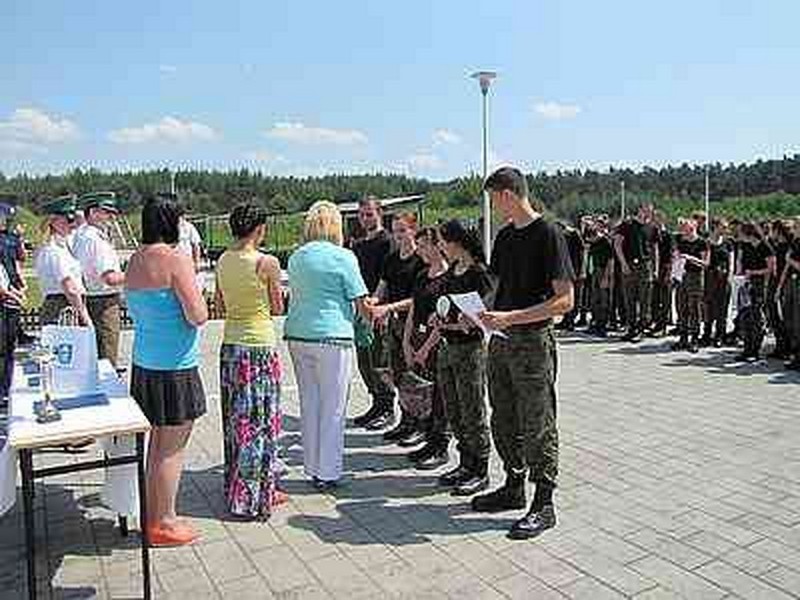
[307,88]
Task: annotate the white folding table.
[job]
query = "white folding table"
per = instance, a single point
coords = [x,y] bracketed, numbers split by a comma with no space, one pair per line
[111,413]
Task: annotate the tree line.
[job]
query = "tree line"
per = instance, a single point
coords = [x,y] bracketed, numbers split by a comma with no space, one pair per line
[567,193]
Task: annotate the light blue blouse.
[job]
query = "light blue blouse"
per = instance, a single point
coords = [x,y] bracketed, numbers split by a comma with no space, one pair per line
[324,280]
[163,339]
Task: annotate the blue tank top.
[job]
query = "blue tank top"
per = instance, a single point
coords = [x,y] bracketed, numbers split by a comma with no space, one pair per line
[163,339]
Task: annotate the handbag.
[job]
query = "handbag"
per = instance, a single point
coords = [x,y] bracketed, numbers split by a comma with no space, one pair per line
[74,350]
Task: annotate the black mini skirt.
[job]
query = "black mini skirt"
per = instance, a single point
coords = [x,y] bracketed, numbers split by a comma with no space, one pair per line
[168,397]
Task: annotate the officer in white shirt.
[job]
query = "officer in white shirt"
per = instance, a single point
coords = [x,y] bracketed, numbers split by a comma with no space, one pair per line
[58,271]
[102,271]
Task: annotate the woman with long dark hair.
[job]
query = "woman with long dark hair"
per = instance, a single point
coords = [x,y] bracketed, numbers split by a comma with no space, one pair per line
[461,364]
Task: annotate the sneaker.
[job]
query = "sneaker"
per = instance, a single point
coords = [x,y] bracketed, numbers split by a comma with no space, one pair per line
[509,497]
[384,420]
[476,482]
[413,438]
[454,476]
[632,336]
[399,431]
[534,523]
[364,418]
[436,457]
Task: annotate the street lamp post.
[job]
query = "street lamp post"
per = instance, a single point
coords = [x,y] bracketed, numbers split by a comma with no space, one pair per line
[708,203]
[485,79]
[622,199]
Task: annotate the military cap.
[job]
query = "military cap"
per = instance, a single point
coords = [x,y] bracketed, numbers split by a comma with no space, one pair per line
[63,206]
[104,200]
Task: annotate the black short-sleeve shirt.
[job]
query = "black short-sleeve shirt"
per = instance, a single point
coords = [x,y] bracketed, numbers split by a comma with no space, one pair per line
[371,254]
[781,248]
[755,256]
[696,248]
[400,274]
[427,291]
[638,240]
[575,247]
[720,257]
[601,252]
[475,279]
[526,262]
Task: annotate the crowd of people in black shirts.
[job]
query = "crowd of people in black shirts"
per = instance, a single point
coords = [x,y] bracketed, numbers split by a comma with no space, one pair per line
[437,365]
[722,285]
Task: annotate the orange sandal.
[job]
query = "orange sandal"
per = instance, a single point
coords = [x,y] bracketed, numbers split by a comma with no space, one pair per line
[161,536]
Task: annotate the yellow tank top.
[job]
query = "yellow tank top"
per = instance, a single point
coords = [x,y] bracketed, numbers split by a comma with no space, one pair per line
[248,320]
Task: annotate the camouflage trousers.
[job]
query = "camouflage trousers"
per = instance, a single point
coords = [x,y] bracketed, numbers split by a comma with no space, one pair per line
[601,301]
[107,319]
[638,289]
[752,316]
[522,394]
[370,360]
[717,299]
[791,311]
[690,302]
[461,377]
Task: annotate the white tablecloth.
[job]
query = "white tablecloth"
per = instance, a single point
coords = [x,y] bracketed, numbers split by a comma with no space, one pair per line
[120,414]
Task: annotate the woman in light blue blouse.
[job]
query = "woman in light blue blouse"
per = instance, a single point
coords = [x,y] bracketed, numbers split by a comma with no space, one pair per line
[326,292]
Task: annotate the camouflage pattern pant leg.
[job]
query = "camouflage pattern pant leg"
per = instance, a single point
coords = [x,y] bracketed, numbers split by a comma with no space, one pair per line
[717,298]
[522,393]
[752,318]
[601,301]
[638,295]
[791,311]
[107,318]
[461,376]
[690,300]
[372,358]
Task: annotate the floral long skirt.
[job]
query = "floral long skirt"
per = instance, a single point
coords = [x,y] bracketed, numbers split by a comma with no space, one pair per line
[250,378]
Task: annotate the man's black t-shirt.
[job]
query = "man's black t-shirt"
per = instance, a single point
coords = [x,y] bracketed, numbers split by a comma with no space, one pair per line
[781,248]
[794,250]
[601,252]
[754,256]
[427,291]
[400,275]
[526,262]
[575,247]
[475,279]
[720,257]
[371,254]
[696,248]
[638,240]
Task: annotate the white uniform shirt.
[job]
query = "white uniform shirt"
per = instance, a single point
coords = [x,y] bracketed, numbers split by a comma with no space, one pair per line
[53,264]
[188,238]
[96,256]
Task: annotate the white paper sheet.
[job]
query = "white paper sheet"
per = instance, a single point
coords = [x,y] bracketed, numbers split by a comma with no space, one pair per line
[471,304]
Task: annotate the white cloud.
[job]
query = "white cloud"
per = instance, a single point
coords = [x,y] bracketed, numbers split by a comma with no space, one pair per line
[168,129]
[265,156]
[443,137]
[168,69]
[300,134]
[29,129]
[557,112]
[425,161]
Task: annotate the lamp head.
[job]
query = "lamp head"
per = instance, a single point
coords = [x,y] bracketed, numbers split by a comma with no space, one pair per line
[485,79]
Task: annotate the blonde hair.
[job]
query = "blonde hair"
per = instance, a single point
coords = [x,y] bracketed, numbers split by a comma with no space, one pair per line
[323,222]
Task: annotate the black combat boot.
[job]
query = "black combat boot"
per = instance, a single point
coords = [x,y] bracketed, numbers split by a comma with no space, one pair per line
[509,497]
[540,517]
[453,477]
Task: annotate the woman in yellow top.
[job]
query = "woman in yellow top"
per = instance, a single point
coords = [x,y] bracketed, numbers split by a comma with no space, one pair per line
[249,293]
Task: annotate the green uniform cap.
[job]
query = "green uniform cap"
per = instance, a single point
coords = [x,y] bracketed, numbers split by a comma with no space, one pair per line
[63,206]
[104,200]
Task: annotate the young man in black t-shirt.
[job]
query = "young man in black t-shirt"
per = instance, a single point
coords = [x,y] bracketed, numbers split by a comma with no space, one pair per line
[534,284]
[371,251]
[601,259]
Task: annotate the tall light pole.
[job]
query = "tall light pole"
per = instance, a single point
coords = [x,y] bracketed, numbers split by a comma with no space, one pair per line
[485,79]
[622,199]
[708,202]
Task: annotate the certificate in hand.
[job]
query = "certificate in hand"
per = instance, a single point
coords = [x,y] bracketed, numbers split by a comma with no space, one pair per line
[472,305]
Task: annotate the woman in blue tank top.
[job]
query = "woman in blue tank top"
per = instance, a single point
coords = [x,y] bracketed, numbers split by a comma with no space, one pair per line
[167,310]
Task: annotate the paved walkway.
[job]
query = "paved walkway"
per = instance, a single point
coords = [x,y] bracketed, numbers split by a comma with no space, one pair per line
[680,479]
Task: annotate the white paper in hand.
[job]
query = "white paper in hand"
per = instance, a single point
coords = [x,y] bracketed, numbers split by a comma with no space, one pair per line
[471,305]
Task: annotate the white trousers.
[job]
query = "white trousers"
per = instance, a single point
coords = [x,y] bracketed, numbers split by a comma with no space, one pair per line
[323,373]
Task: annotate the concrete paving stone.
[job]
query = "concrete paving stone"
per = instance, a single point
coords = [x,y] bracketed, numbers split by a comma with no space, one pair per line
[478,591]
[669,548]
[611,573]
[659,593]
[740,583]
[306,592]
[608,545]
[677,579]
[399,578]
[748,561]
[710,543]
[253,537]
[480,560]
[249,588]
[785,579]
[282,569]
[780,553]
[224,561]
[341,577]
[522,586]
[306,544]
[589,589]
[187,582]
[172,559]
[535,561]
